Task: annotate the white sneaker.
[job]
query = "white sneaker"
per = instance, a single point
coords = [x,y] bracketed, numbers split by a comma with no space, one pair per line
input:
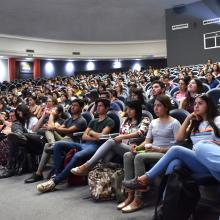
[46,186]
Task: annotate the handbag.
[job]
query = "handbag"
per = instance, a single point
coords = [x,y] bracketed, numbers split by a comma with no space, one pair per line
[35,143]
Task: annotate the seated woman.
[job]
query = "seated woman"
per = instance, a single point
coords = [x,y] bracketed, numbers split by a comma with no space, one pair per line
[161,134]
[5,128]
[132,127]
[194,87]
[182,92]
[49,106]
[210,80]
[25,123]
[203,127]
[34,108]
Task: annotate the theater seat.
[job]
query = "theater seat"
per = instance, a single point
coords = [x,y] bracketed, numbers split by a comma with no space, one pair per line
[120,104]
[117,119]
[179,114]
[206,87]
[174,90]
[122,98]
[147,114]
[88,116]
[215,94]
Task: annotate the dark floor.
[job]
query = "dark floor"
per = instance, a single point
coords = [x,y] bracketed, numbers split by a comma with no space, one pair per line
[19,201]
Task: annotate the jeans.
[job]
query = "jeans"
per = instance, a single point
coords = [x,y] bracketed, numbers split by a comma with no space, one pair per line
[84,151]
[208,154]
[187,157]
[135,164]
[107,151]
[51,138]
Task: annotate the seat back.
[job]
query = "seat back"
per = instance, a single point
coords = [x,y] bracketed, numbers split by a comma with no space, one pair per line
[179,114]
[122,98]
[175,103]
[147,114]
[117,119]
[120,104]
[88,116]
[206,87]
[215,94]
[174,90]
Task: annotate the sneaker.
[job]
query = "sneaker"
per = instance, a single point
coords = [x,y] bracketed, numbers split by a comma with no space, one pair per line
[34,178]
[82,170]
[46,186]
[5,173]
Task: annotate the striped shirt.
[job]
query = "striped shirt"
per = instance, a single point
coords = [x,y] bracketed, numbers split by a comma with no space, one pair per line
[205,132]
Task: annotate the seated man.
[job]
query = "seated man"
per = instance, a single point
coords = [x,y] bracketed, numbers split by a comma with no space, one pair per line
[158,88]
[96,128]
[113,106]
[74,124]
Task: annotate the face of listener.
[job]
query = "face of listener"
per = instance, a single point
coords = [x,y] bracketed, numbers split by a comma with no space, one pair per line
[31,102]
[182,85]
[131,113]
[159,109]
[101,110]
[192,87]
[75,108]
[200,107]
[209,77]
[156,89]
[12,116]
[49,103]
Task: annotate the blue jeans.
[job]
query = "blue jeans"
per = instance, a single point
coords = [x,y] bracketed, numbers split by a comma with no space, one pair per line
[84,151]
[208,154]
[177,155]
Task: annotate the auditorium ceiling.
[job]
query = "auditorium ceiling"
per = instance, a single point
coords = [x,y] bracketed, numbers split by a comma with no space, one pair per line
[86,20]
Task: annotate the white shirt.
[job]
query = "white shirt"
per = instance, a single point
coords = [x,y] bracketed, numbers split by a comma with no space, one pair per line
[32,122]
[205,132]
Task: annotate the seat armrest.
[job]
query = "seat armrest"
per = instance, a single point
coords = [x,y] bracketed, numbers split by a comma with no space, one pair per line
[78,134]
[108,136]
[137,140]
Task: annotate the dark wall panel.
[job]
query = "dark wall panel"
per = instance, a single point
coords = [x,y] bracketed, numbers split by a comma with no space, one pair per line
[186,46]
[100,66]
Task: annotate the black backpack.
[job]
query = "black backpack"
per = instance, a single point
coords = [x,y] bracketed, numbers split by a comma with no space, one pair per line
[181,196]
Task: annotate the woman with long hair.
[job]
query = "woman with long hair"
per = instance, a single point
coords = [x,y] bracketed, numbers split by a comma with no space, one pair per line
[25,123]
[49,106]
[210,80]
[194,87]
[203,127]
[182,92]
[26,118]
[34,108]
[132,127]
[216,69]
[161,134]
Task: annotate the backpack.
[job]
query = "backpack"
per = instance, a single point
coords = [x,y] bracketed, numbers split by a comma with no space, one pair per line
[4,152]
[100,182]
[21,160]
[181,196]
[116,182]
